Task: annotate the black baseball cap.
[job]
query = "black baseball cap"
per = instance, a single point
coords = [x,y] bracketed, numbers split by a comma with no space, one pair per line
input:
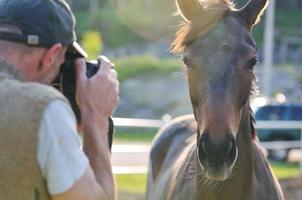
[43,23]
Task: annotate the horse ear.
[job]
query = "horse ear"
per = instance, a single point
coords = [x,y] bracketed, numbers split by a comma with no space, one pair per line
[252,11]
[189,8]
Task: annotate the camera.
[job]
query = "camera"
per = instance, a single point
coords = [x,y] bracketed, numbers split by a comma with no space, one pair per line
[65,82]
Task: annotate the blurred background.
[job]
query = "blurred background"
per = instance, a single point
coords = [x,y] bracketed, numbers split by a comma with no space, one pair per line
[136,35]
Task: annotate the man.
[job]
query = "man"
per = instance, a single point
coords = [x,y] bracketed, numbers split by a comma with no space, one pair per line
[40,155]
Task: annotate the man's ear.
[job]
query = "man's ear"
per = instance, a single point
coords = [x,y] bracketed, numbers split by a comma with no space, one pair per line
[51,56]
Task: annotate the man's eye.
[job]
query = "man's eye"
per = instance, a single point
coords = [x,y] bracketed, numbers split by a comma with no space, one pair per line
[251,63]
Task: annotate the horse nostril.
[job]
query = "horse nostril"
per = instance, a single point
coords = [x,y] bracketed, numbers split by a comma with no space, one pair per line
[231,152]
[229,147]
[203,146]
[202,155]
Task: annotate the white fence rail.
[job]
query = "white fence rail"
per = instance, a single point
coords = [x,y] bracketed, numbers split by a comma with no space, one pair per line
[154,123]
[294,144]
[281,125]
[133,122]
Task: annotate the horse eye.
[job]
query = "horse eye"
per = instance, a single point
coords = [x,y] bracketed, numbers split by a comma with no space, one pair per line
[251,63]
[186,61]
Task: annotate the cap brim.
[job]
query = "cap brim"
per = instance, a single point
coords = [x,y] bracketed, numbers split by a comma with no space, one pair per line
[75,47]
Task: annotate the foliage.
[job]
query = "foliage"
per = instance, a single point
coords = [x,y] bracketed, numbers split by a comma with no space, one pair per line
[113,30]
[82,22]
[105,21]
[115,33]
[288,21]
[135,65]
[92,43]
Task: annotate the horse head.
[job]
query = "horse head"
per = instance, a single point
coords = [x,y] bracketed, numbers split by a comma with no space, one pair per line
[219,54]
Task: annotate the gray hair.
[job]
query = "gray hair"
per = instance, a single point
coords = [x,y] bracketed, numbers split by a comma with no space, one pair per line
[9,70]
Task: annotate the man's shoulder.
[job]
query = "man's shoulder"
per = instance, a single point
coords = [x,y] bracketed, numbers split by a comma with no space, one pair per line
[41,90]
[31,91]
[42,93]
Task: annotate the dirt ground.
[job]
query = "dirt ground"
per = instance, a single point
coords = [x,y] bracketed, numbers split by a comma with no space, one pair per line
[292,188]
[122,195]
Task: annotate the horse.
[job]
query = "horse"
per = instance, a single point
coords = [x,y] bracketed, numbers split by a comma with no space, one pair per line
[214,153]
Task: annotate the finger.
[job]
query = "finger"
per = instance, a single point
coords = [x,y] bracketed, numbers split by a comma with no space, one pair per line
[80,67]
[105,64]
[104,59]
[113,73]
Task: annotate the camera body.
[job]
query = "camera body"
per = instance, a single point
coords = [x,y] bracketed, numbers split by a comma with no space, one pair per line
[65,82]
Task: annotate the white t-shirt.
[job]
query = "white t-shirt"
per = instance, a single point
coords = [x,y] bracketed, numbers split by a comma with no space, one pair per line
[60,157]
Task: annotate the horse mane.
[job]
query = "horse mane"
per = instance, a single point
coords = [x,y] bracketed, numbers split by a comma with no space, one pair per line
[253,92]
[253,124]
[212,12]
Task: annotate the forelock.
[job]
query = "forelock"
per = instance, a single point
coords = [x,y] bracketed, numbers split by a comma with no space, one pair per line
[212,13]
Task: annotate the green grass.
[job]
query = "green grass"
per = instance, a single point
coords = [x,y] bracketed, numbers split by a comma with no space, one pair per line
[141,135]
[134,183]
[285,170]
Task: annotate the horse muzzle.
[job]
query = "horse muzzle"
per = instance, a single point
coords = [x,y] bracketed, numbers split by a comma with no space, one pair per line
[217,158]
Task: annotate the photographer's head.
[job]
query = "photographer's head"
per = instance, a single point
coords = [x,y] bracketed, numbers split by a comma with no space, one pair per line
[34,36]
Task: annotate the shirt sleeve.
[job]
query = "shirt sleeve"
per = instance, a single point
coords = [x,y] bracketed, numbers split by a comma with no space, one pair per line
[60,157]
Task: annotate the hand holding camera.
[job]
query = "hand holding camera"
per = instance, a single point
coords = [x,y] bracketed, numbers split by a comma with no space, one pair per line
[96,96]
[92,89]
